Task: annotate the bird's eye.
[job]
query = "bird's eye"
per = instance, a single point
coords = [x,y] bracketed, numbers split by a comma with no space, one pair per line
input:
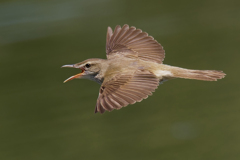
[88,65]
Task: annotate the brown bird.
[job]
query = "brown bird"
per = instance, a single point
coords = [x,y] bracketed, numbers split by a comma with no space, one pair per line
[133,69]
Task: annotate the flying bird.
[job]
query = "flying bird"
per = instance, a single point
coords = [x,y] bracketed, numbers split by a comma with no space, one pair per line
[133,69]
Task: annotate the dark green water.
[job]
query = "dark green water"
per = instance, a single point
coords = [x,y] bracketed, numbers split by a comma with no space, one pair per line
[43,119]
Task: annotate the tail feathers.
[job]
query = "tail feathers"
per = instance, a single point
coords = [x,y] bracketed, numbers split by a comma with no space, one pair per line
[204,75]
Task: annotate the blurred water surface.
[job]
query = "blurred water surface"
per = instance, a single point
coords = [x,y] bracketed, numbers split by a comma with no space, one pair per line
[42,118]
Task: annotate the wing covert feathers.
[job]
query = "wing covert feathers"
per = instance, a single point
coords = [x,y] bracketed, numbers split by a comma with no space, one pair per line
[125,90]
[133,43]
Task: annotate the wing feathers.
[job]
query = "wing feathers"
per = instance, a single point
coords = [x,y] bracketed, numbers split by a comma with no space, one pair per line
[133,43]
[117,102]
[109,35]
[125,89]
[115,35]
[122,33]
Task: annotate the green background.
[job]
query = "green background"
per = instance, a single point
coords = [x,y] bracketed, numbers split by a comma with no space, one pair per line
[43,119]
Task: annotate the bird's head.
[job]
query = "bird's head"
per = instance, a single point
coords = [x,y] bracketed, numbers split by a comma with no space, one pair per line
[89,68]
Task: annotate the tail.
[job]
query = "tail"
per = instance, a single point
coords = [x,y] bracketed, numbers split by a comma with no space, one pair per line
[204,75]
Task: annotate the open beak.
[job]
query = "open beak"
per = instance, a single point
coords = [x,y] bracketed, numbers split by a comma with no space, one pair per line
[79,75]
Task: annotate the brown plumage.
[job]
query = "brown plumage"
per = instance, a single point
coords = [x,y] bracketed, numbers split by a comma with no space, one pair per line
[132,42]
[133,69]
[126,89]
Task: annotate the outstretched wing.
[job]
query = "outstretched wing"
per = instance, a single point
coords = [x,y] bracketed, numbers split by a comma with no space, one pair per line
[125,89]
[133,43]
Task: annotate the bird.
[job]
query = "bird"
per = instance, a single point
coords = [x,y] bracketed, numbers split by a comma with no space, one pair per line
[133,69]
